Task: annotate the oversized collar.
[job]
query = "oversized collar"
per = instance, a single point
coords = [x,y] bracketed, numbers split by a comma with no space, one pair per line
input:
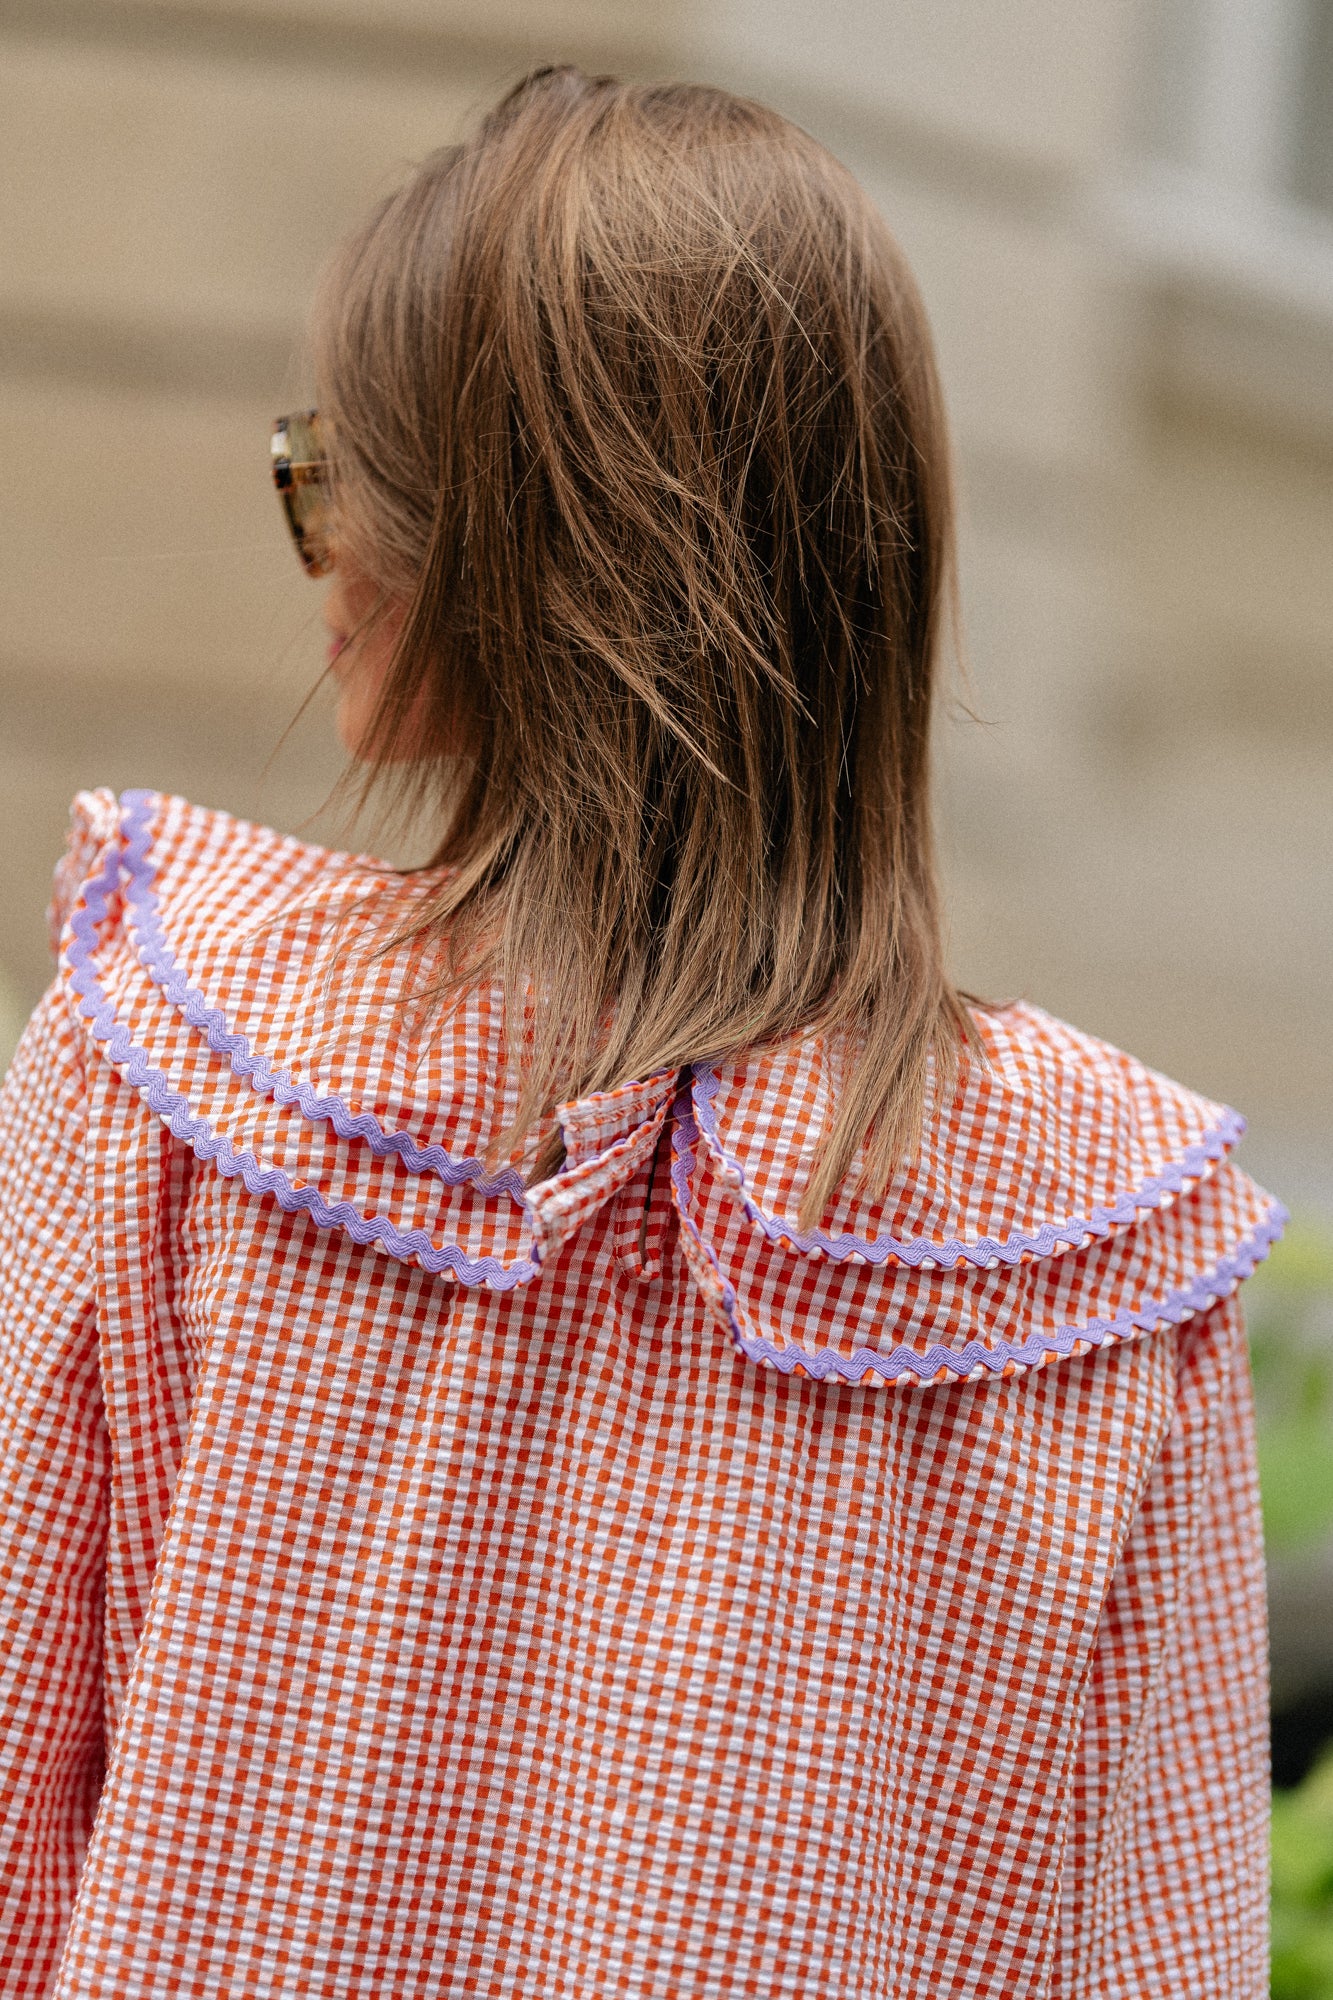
[1062,1196]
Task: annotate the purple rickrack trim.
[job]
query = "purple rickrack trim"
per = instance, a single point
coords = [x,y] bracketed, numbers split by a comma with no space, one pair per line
[210,1145]
[1043,1242]
[159,962]
[822,1362]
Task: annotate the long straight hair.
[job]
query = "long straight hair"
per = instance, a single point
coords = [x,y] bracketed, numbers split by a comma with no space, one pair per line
[634,409]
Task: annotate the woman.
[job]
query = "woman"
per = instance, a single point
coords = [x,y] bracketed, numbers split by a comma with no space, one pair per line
[574,1422]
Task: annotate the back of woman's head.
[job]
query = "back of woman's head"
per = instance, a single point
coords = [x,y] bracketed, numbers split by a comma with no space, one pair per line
[634,409]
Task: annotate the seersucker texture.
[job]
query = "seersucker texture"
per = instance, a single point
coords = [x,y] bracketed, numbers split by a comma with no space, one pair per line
[417,1580]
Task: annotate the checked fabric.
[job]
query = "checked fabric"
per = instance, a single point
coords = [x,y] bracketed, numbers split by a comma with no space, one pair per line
[419,1582]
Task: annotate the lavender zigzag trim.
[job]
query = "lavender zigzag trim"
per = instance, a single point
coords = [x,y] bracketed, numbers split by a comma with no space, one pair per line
[986,1252]
[210,1145]
[1197,1296]
[159,961]
[1202,1292]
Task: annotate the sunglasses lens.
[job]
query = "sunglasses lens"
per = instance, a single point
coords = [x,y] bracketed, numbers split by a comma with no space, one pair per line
[308,516]
[301,476]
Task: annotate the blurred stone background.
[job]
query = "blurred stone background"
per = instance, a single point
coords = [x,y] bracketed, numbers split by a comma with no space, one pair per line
[1122,217]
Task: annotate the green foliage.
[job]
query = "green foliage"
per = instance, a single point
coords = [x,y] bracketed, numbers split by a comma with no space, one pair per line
[1303,1888]
[1289,1304]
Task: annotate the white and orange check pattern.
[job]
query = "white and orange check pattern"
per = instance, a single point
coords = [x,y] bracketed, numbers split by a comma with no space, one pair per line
[598,1588]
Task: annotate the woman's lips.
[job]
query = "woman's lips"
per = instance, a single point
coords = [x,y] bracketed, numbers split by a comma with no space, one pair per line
[336,644]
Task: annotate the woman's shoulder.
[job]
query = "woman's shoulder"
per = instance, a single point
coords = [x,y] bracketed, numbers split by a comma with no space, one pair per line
[1044,1133]
[221,871]
[220,956]
[1062,1196]
[161,902]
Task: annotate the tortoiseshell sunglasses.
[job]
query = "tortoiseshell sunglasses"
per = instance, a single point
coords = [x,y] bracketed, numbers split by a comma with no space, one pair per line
[301,475]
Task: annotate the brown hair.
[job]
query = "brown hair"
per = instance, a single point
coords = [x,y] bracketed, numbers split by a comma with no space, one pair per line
[634,406]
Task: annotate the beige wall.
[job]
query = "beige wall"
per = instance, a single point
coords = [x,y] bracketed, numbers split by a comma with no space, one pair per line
[1138,834]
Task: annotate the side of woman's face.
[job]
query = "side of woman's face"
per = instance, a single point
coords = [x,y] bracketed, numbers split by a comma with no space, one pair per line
[362,635]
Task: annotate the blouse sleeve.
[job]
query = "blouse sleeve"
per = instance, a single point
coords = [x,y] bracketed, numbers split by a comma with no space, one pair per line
[53,1507]
[1165,1883]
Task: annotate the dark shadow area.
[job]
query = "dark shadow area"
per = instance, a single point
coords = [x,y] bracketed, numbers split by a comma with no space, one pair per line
[1301,1729]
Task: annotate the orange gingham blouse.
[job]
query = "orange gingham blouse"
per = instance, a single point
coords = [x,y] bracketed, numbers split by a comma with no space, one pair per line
[598,1587]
